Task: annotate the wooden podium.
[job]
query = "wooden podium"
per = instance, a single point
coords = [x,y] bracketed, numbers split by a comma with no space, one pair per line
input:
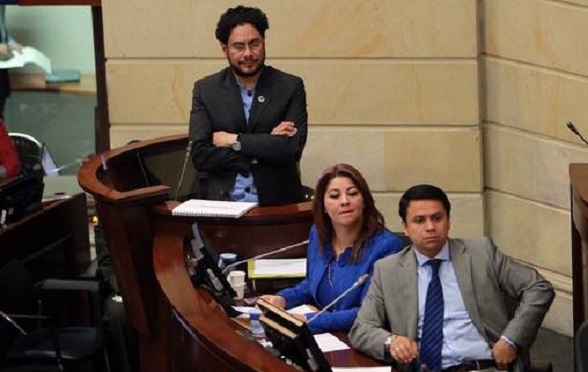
[579,230]
[181,327]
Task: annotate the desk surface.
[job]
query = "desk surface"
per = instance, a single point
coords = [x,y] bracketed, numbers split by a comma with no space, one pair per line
[36,82]
[204,324]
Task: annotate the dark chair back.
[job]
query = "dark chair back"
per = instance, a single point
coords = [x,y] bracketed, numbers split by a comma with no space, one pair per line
[27,336]
[405,239]
[581,348]
[18,293]
[30,151]
[536,364]
[15,298]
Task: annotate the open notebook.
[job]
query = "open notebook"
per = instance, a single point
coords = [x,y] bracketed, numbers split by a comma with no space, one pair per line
[212,208]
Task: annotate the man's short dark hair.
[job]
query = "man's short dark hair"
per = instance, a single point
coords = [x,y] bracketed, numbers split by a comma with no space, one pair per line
[237,16]
[422,192]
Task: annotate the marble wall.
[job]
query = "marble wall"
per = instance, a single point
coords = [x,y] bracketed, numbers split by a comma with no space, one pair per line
[535,65]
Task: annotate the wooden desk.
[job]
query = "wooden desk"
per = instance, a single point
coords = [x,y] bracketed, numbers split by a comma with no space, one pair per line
[36,82]
[60,224]
[53,243]
[179,327]
[579,231]
[201,334]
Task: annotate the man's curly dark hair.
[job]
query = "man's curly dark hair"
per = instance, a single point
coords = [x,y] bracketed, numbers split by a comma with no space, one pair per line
[240,15]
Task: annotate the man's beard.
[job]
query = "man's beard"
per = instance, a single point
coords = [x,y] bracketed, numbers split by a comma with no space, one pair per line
[239,72]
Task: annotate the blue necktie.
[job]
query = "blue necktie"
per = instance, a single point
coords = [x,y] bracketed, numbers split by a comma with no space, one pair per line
[432,335]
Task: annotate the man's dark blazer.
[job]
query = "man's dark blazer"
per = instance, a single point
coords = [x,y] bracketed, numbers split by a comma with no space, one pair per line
[272,159]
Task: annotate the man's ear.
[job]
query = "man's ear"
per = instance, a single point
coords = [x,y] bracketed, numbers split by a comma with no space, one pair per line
[404,228]
[224,48]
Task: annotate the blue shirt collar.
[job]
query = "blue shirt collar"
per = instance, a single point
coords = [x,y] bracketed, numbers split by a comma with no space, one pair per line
[442,255]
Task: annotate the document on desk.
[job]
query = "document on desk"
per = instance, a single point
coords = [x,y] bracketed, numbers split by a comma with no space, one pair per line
[28,55]
[362,369]
[277,268]
[328,342]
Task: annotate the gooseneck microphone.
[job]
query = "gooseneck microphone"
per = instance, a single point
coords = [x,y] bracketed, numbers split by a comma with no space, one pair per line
[181,177]
[14,324]
[283,249]
[574,130]
[357,283]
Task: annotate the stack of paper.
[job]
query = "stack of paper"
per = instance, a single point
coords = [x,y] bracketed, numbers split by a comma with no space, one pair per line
[277,268]
[28,55]
[212,208]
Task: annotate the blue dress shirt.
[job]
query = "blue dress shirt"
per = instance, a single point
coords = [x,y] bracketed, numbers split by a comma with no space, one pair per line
[315,289]
[244,189]
[461,339]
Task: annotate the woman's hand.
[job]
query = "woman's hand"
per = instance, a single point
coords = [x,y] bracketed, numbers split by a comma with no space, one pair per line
[278,301]
[4,52]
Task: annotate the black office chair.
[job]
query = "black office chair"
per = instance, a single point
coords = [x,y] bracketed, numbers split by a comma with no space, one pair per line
[30,151]
[9,328]
[581,348]
[25,341]
[404,238]
[536,364]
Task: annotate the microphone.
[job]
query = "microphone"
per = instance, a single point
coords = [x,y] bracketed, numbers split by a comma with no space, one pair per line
[283,249]
[59,169]
[357,283]
[14,324]
[181,177]
[574,130]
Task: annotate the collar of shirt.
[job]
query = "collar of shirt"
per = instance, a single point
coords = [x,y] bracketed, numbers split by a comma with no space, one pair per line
[442,255]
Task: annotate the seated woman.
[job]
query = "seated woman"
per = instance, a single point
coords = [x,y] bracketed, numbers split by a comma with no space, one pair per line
[348,236]
[9,159]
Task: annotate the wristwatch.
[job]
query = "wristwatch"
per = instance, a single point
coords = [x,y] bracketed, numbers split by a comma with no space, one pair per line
[389,340]
[237,144]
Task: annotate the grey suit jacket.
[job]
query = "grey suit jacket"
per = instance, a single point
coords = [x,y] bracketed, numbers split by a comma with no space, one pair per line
[273,159]
[483,275]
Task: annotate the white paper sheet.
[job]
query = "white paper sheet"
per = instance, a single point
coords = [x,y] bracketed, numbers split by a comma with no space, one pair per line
[302,309]
[327,342]
[361,369]
[290,267]
[28,55]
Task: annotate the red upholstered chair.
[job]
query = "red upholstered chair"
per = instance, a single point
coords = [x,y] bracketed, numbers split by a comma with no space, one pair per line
[9,157]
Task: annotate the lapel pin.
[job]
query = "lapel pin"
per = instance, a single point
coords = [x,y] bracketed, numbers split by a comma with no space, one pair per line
[261,99]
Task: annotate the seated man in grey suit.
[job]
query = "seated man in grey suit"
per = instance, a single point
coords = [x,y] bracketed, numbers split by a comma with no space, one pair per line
[248,122]
[440,301]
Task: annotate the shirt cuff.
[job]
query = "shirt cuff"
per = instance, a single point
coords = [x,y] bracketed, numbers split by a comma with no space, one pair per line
[510,342]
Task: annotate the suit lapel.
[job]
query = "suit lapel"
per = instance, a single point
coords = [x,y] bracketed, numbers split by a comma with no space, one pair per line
[409,288]
[232,100]
[462,265]
[263,96]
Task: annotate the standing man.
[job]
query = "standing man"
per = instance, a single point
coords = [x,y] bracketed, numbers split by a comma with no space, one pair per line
[248,123]
[440,302]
